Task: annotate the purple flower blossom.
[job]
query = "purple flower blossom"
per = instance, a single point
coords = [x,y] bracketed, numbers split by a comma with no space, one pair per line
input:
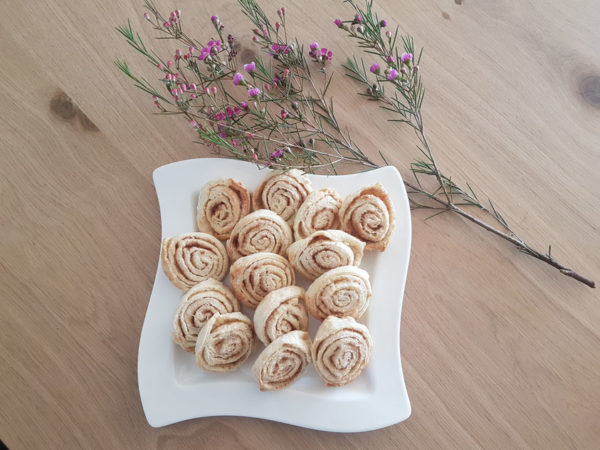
[358,18]
[243,105]
[314,46]
[238,78]
[284,113]
[275,47]
[229,111]
[223,134]
[338,23]
[374,68]
[389,59]
[204,53]
[406,57]
[277,153]
[392,75]
[254,92]
[250,67]
[383,23]
[214,19]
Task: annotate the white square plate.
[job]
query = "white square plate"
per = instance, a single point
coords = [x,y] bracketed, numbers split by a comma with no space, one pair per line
[173,389]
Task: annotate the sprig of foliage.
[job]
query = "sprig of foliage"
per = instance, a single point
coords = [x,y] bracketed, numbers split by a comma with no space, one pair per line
[397,54]
[276,111]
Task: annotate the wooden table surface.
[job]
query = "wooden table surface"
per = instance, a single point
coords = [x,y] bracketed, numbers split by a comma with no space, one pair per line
[499,350]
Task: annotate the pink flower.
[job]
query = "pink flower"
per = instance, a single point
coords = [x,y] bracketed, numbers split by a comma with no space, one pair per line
[254,155]
[277,154]
[192,96]
[166,24]
[277,25]
[389,59]
[406,57]
[314,46]
[392,75]
[213,90]
[388,33]
[286,72]
[235,142]
[254,92]
[250,67]
[338,23]
[374,68]
[358,18]
[243,105]
[204,53]
[194,123]
[284,113]
[238,78]
[160,66]
[275,47]
[193,87]
[214,19]
[177,54]
[169,63]
[147,16]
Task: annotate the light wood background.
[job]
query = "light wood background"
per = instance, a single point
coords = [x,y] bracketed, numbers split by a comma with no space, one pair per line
[499,350]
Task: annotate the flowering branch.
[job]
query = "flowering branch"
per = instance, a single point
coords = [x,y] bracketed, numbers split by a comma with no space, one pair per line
[402,74]
[276,113]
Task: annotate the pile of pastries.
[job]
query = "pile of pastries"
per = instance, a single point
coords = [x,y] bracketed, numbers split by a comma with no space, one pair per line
[292,231]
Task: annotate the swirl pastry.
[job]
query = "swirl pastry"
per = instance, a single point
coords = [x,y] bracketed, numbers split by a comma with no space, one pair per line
[197,306]
[323,251]
[283,361]
[320,211]
[282,192]
[280,312]
[221,204]
[225,342]
[254,276]
[190,258]
[368,214]
[341,350]
[341,292]
[260,231]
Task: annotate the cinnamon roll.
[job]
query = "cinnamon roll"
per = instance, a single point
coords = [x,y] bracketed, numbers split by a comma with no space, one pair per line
[323,251]
[259,231]
[368,214]
[341,350]
[280,312]
[341,292]
[197,306]
[282,192]
[320,211]
[283,361]
[190,258]
[221,204]
[225,342]
[254,276]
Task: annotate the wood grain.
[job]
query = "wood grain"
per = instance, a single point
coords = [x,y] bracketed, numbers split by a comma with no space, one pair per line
[498,350]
